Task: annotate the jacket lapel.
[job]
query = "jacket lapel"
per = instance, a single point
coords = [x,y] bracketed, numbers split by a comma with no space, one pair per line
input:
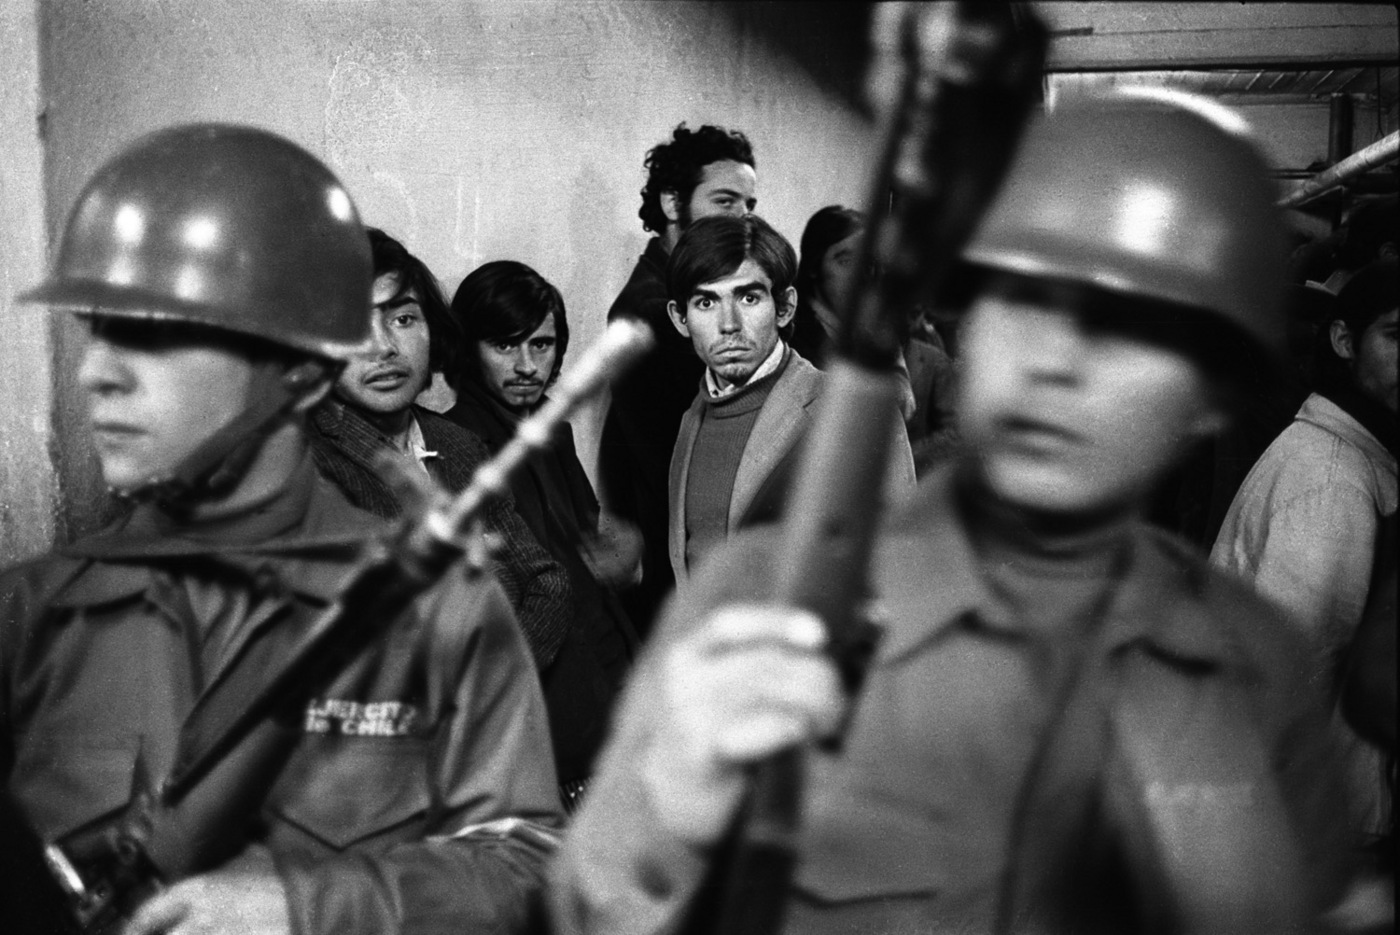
[781,423]
[679,477]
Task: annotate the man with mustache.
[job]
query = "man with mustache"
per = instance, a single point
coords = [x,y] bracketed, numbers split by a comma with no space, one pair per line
[730,282]
[371,414]
[515,333]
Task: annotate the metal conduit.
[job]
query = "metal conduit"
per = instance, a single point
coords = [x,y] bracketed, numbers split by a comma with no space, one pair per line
[1377,154]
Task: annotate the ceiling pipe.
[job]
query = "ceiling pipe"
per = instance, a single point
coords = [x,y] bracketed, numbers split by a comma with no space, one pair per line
[1379,153]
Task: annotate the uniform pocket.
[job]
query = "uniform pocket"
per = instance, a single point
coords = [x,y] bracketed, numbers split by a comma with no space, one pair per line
[342,791]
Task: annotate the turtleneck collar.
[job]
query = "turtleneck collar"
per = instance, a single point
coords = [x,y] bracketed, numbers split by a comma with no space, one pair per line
[1040,544]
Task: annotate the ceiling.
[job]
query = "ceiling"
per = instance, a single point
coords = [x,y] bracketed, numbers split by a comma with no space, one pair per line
[1375,85]
[1237,52]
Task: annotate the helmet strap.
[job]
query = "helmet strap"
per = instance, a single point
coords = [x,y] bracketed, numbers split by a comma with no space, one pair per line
[221,461]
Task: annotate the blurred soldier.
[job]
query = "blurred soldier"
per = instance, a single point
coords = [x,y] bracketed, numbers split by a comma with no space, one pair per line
[695,174]
[225,278]
[371,413]
[1071,723]
[730,282]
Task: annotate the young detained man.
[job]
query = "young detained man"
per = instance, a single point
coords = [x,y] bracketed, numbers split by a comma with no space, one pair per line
[1070,719]
[731,287]
[226,278]
[371,414]
[515,333]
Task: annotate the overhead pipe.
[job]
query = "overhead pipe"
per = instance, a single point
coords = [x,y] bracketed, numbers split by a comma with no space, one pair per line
[1379,153]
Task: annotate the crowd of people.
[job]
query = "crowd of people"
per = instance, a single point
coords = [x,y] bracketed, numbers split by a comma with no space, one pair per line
[1092,708]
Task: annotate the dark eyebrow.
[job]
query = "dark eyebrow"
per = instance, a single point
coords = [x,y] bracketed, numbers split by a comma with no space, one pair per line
[749,286]
[395,303]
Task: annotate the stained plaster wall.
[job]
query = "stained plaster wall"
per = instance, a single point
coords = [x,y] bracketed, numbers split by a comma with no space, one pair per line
[471,130]
[28,488]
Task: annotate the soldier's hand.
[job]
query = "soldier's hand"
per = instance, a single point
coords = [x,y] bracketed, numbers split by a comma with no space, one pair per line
[752,680]
[245,897]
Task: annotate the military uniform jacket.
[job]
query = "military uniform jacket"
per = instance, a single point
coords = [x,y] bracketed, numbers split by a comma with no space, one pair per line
[920,823]
[390,814]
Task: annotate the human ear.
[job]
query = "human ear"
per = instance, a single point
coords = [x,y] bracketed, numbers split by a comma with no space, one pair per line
[671,206]
[677,317]
[1341,340]
[787,305]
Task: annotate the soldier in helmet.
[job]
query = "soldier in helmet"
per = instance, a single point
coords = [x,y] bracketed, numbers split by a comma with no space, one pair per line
[1071,723]
[225,278]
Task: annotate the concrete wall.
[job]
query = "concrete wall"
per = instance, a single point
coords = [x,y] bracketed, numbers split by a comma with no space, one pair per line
[27,484]
[471,130]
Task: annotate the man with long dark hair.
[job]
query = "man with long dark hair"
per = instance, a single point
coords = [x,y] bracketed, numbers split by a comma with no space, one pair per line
[515,334]
[371,415]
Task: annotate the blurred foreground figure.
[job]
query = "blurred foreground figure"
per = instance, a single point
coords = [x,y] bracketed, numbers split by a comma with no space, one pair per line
[225,277]
[1071,724]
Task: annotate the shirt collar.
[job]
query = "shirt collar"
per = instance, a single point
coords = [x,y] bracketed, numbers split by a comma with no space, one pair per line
[771,363]
[417,445]
[310,559]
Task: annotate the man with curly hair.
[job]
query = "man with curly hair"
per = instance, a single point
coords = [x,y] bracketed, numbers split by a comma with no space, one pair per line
[697,173]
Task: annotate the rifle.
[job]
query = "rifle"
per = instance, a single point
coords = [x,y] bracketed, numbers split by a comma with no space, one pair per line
[240,735]
[954,83]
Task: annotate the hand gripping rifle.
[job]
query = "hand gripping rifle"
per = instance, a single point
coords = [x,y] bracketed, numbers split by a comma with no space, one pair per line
[955,82]
[237,739]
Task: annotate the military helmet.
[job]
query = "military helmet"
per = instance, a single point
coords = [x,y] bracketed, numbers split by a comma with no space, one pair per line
[1145,193]
[224,226]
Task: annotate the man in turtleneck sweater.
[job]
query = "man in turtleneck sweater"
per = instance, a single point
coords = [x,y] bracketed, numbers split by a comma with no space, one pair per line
[693,174]
[730,282]
[1071,722]
[415,760]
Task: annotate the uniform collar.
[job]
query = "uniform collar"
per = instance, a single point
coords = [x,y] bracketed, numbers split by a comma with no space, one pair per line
[310,551]
[1158,600]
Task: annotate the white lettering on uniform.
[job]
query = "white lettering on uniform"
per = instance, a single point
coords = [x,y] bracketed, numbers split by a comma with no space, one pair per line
[357,719]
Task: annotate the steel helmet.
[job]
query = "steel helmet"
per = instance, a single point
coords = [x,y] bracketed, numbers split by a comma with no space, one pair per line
[226,226]
[1148,193]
